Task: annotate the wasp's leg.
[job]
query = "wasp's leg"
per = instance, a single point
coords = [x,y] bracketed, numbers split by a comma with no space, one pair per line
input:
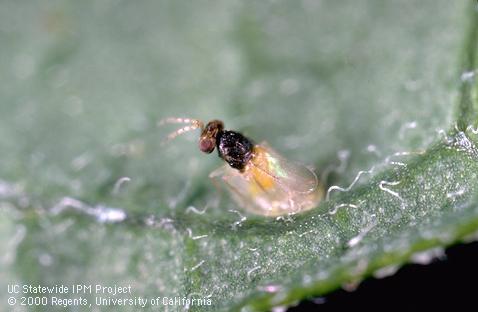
[223,176]
[235,182]
[215,175]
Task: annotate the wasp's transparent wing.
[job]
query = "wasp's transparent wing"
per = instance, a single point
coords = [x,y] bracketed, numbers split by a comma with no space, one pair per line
[292,176]
[272,186]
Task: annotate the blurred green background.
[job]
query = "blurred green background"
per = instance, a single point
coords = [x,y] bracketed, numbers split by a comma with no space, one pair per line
[338,85]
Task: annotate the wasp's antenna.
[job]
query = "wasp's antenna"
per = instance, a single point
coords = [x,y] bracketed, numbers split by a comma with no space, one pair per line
[193,124]
[175,120]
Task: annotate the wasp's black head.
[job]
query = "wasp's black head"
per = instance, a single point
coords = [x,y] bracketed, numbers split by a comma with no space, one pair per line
[209,136]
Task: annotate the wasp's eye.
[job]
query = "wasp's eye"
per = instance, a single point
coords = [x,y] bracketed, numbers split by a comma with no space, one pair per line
[207,145]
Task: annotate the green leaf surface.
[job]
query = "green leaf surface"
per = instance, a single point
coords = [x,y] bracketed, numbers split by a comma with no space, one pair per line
[380,96]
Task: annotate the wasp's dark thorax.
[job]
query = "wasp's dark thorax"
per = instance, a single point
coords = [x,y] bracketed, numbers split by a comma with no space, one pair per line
[234,148]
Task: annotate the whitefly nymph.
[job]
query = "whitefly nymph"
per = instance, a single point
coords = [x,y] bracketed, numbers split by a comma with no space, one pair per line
[258,178]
